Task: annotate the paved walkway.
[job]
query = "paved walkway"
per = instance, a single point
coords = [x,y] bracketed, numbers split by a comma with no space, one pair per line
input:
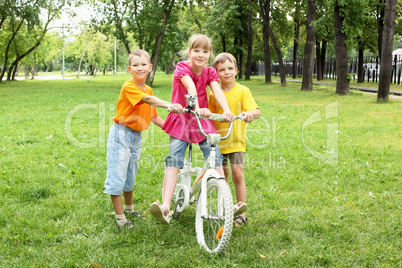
[364,89]
[49,77]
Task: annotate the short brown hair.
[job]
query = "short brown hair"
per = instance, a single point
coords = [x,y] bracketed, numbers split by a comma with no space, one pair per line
[139,53]
[223,57]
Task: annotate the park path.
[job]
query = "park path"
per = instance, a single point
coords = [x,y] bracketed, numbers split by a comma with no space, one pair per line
[364,89]
[50,77]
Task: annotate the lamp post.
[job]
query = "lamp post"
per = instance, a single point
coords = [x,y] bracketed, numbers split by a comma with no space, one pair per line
[62,71]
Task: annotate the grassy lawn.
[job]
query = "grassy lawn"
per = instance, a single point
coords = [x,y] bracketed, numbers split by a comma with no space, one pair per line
[323,174]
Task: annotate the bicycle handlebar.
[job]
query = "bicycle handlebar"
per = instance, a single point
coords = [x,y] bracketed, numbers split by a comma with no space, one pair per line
[216,117]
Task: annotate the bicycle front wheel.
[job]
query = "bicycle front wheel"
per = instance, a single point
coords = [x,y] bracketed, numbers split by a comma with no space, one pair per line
[214,229]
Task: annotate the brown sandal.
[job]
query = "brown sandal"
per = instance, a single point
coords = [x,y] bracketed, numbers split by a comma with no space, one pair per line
[240,220]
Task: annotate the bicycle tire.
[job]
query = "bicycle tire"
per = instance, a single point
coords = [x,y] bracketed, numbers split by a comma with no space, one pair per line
[214,232]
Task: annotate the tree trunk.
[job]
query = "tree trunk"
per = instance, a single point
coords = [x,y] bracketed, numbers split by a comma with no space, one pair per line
[223,43]
[282,73]
[342,83]
[308,65]
[195,19]
[323,54]
[79,64]
[249,41]
[295,45]
[360,70]
[168,6]
[267,55]
[386,56]
[33,67]
[5,67]
[241,59]
[265,13]
[318,60]
[120,33]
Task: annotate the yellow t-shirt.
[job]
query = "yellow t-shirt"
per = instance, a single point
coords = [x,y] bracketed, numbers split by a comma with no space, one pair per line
[240,100]
[131,111]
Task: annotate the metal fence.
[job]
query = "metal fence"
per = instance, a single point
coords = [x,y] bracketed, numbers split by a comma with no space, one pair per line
[371,69]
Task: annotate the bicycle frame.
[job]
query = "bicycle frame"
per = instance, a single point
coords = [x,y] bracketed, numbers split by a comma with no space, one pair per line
[184,189]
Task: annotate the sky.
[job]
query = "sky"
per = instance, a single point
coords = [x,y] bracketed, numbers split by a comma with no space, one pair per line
[67,25]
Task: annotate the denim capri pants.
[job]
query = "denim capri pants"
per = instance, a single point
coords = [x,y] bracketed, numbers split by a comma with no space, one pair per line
[177,151]
[123,155]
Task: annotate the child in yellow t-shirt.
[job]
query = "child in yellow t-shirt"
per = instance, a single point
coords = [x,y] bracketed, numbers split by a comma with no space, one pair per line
[241,101]
[135,110]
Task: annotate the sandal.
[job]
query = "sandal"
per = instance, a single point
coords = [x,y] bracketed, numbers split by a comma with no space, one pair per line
[240,220]
[127,224]
[137,214]
[157,210]
[239,208]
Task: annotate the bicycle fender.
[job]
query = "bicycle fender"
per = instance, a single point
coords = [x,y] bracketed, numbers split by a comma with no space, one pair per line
[210,173]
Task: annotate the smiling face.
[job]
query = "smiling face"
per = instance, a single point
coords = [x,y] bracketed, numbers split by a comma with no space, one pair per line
[199,57]
[139,67]
[227,72]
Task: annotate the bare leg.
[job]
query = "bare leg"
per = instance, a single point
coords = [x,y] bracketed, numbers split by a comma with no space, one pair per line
[227,172]
[240,184]
[128,197]
[117,204]
[169,185]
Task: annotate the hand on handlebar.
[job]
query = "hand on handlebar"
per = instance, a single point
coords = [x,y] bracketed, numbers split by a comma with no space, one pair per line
[247,117]
[175,108]
[203,113]
[228,117]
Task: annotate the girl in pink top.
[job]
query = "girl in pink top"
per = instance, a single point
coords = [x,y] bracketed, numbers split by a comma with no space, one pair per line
[191,77]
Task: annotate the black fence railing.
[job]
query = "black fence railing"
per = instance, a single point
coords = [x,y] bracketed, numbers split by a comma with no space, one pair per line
[371,69]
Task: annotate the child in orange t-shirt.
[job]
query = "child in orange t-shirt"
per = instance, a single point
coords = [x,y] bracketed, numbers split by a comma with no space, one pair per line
[135,110]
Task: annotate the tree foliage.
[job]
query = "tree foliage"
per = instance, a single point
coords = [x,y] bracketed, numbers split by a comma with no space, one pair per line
[273,33]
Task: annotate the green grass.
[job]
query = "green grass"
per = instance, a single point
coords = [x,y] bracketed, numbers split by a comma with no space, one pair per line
[323,175]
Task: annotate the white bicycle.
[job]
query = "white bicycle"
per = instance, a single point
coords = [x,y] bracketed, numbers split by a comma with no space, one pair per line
[214,208]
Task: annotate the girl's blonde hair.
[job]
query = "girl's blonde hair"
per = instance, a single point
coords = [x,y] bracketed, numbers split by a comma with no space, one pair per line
[198,41]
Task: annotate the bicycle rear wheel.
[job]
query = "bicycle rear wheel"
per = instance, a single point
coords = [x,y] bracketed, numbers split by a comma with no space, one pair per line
[214,230]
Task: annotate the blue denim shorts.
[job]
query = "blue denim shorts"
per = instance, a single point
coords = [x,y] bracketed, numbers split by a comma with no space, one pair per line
[123,155]
[177,151]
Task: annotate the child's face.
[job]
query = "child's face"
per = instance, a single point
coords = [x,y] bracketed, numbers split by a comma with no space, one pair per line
[227,72]
[199,57]
[139,67]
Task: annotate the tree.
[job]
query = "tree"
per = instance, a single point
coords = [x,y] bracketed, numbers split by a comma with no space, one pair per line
[308,65]
[26,16]
[324,34]
[265,15]
[386,55]
[380,23]
[167,10]
[342,82]
[297,18]
[249,40]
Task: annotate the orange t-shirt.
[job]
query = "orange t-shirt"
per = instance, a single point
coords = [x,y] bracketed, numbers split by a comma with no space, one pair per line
[131,111]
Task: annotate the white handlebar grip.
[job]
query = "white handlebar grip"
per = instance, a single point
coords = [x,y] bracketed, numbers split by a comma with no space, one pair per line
[216,117]
[169,109]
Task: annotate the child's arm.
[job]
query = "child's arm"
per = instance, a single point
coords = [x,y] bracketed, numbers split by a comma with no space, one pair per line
[154,101]
[248,116]
[221,100]
[158,121]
